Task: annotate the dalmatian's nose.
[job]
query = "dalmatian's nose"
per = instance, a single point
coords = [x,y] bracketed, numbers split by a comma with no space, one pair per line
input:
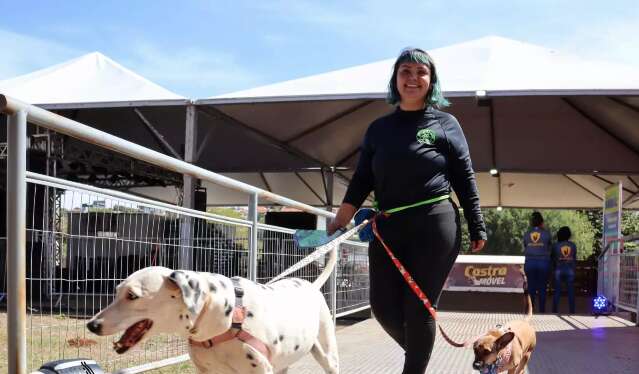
[95,326]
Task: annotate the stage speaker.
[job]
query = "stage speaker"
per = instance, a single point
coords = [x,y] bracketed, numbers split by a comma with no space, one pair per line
[292,220]
[199,199]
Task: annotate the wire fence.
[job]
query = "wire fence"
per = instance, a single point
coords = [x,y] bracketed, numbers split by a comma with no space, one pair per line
[82,244]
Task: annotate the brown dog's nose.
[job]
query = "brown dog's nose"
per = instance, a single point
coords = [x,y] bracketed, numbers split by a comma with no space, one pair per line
[94,326]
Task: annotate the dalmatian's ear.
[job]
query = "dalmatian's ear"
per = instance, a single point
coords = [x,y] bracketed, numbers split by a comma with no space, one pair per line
[190,289]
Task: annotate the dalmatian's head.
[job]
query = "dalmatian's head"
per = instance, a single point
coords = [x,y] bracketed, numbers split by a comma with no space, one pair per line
[151,301]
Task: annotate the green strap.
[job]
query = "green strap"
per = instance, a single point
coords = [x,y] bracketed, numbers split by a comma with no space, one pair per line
[424,202]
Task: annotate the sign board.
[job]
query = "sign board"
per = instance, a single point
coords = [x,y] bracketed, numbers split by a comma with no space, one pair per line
[608,277]
[486,274]
[612,218]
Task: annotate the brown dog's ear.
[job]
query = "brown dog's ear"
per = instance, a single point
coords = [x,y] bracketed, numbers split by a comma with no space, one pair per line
[503,341]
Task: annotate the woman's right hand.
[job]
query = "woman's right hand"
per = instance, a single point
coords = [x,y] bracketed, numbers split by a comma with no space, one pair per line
[332,226]
[343,216]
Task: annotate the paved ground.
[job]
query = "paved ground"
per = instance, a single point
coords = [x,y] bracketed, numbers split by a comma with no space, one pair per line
[565,345]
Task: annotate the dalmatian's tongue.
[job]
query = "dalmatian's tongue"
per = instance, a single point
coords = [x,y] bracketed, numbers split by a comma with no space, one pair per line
[132,335]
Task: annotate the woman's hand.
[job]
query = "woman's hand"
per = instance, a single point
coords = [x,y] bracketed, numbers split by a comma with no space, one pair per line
[332,226]
[477,245]
[342,218]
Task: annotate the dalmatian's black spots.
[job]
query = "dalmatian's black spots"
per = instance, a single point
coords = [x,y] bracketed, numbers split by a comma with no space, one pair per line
[253,364]
[249,314]
[297,283]
[275,342]
[226,302]
[187,316]
[193,283]
[297,346]
[224,285]
[181,316]
[187,327]
[281,337]
[250,356]
[228,311]
[212,287]
[172,296]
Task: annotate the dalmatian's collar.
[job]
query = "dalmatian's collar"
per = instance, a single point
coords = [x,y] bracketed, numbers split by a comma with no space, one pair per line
[236,331]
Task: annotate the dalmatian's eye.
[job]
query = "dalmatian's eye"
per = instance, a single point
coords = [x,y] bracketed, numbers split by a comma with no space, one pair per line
[132,296]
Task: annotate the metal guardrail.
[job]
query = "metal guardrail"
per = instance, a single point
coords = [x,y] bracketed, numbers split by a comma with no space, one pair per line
[349,282]
[618,274]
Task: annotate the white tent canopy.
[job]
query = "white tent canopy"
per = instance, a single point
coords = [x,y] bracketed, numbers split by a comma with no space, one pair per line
[557,127]
[92,80]
[495,64]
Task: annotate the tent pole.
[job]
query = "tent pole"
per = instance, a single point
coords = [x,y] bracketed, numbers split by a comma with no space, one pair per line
[188,189]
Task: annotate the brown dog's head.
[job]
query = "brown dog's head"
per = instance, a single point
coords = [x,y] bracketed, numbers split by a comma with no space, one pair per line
[488,346]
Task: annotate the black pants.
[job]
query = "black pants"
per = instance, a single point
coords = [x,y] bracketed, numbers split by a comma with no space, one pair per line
[427,241]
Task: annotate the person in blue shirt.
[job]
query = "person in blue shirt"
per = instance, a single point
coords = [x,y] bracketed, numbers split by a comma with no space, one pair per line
[564,256]
[537,247]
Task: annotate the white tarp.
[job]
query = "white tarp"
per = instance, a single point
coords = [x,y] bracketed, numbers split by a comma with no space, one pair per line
[89,79]
[492,63]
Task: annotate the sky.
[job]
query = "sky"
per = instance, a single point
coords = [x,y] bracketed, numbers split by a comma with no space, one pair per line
[200,48]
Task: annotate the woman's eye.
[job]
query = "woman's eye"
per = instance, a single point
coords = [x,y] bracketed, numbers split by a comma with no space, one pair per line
[132,296]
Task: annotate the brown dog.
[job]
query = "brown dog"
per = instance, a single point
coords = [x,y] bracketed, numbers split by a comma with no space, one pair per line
[506,348]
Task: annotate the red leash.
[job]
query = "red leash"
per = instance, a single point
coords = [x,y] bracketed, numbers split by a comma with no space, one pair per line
[411,282]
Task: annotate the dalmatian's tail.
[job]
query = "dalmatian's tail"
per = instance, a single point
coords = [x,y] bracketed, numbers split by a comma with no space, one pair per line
[328,269]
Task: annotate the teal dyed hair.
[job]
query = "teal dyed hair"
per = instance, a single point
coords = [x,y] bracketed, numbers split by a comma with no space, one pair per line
[434,95]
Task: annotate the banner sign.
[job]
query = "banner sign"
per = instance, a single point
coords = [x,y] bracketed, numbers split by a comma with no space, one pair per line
[612,218]
[486,276]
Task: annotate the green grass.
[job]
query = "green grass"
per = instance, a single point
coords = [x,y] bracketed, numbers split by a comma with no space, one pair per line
[55,337]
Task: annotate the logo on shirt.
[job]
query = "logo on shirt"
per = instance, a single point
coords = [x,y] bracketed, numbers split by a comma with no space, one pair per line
[426,136]
[565,251]
[534,236]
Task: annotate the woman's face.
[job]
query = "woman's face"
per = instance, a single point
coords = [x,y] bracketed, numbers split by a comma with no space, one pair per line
[413,81]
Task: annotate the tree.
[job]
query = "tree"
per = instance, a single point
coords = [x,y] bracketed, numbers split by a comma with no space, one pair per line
[506,229]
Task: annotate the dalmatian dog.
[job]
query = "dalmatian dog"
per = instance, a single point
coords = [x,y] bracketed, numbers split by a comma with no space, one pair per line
[233,324]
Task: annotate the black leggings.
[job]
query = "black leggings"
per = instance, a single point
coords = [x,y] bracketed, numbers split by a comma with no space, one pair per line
[427,241]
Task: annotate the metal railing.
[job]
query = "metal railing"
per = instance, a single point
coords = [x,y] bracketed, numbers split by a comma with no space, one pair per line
[618,274]
[80,241]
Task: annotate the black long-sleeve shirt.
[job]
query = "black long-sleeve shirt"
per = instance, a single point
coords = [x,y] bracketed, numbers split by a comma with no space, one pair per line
[411,156]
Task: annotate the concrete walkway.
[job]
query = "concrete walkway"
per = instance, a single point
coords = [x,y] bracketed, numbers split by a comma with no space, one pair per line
[565,345]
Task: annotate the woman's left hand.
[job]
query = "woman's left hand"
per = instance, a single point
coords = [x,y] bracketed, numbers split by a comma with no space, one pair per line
[477,245]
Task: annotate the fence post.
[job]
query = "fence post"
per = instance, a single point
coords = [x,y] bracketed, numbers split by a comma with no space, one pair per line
[252,216]
[332,280]
[16,241]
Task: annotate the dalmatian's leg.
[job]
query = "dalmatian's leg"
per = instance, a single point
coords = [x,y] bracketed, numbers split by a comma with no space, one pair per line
[254,362]
[325,348]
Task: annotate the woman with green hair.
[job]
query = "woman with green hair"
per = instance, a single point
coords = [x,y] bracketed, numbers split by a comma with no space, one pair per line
[413,159]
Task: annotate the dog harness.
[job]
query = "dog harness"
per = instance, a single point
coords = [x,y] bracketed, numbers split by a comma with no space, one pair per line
[236,331]
[502,359]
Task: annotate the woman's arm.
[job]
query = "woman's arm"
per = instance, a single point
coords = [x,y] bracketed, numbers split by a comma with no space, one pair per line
[462,178]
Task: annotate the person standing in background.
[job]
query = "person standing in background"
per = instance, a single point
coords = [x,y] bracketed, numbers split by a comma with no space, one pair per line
[564,256]
[537,247]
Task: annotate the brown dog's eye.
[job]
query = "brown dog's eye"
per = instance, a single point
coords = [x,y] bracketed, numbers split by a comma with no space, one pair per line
[132,296]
